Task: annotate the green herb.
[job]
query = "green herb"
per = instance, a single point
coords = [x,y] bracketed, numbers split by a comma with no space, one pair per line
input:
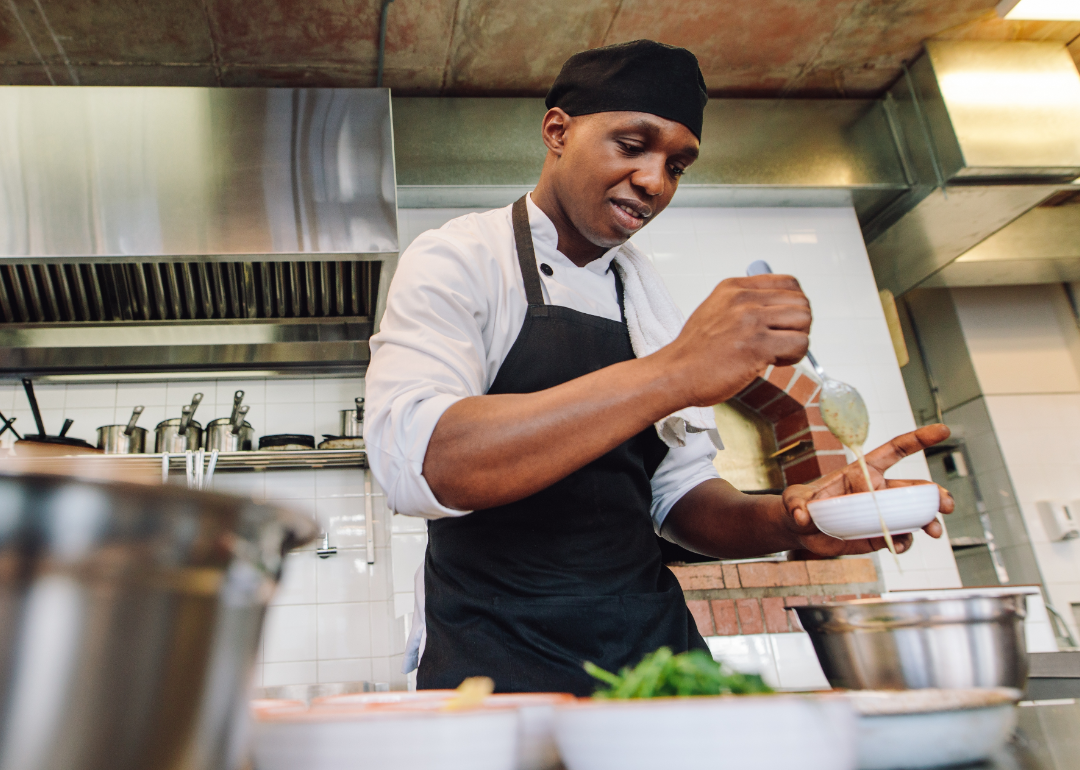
[663,674]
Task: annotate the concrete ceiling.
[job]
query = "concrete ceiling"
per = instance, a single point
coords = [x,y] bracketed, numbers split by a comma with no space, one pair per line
[484,47]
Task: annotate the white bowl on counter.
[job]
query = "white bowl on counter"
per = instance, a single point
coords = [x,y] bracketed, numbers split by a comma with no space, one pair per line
[764,732]
[855,517]
[916,729]
[386,738]
[536,748]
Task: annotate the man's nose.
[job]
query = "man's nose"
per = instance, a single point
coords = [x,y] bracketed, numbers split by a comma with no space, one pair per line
[649,178]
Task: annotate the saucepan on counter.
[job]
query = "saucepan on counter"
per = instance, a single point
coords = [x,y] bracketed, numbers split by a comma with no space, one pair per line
[123,439]
[232,433]
[130,618]
[180,434]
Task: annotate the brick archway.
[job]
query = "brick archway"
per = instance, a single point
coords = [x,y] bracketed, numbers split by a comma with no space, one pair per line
[787,398]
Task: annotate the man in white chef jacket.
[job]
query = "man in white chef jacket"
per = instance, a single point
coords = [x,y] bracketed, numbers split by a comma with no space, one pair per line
[534,393]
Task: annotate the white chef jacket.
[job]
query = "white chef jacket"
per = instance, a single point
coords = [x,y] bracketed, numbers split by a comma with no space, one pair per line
[454,310]
[455,307]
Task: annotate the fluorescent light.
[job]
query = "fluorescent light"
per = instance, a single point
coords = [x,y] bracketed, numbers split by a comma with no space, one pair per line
[1040,10]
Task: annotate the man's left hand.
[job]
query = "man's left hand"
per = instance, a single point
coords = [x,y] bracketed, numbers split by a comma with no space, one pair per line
[850,480]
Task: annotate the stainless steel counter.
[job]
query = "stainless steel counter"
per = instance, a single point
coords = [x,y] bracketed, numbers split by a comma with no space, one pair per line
[1048,738]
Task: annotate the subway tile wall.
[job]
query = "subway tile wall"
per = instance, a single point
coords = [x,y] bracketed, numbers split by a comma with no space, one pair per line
[331,620]
[1040,440]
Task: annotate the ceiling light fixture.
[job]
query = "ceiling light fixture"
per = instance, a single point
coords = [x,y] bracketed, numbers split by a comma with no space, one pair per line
[1039,10]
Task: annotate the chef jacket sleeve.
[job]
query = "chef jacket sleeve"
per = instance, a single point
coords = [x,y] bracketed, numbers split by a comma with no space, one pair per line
[680,471]
[428,355]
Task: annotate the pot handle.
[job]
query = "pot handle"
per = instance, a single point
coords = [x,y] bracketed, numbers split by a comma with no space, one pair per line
[185,419]
[238,418]
[130,428]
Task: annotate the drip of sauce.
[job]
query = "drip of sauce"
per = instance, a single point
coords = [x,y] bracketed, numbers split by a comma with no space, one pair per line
[845,414]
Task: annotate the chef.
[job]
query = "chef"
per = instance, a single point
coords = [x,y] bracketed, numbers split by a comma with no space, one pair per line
[534,393]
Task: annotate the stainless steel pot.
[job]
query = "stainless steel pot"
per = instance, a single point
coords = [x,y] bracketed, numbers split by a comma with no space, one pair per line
[228,435]
[352,421]
[910,644]
[123,439]
[180,434]
[129,622]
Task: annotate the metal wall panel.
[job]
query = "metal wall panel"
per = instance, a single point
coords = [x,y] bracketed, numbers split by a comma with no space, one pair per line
[145,174]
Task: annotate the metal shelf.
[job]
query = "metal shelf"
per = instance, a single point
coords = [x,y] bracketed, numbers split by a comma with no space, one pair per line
[256,460]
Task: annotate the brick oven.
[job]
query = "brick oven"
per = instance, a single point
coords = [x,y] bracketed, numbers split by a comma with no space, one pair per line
[787,398]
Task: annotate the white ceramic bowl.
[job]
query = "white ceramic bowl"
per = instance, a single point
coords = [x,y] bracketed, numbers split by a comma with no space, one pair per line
[854,517]
[536,716]
[764,732]
[383,738]
[914,729]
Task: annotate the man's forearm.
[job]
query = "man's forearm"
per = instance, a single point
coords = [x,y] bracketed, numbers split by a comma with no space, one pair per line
[492,450]
[715,519]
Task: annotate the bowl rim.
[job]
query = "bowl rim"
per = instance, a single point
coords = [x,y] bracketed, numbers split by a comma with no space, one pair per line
[885,491]
[907,600]
[592,703]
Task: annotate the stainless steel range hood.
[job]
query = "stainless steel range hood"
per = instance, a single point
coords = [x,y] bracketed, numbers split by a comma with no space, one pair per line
[171,229]
[986,132]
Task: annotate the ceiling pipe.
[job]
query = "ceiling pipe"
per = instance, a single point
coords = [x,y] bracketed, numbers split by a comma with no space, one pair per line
[382,40]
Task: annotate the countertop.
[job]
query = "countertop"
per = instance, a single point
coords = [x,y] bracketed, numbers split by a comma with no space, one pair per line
[1047,738]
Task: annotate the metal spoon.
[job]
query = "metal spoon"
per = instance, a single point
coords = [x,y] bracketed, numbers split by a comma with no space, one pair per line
[842,408]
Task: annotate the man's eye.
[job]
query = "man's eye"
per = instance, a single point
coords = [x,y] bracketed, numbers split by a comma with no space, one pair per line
[676,171]
[631,149]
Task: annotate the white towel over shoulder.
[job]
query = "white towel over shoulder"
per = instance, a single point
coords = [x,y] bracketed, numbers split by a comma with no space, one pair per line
[654,322]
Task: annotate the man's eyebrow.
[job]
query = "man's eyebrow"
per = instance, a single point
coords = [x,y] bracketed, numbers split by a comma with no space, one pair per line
[651,130]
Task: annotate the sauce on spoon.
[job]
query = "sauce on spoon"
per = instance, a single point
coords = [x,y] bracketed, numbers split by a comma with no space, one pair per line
[845,414]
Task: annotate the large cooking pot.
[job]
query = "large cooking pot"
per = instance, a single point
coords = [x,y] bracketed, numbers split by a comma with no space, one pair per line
[911,644]
[224,435]
[352,421]
[123,439]
[129,621]
[180,434]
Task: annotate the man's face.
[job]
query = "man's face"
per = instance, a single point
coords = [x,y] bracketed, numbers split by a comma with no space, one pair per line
[618,170]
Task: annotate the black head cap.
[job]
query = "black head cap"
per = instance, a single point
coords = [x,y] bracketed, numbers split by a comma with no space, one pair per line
[641,76]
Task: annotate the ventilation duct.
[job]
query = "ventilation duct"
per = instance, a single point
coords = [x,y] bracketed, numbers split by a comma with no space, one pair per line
[985,131]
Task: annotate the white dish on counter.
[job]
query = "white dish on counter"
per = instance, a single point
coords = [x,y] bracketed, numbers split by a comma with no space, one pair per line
[764,732]
[854,517]
[381,738]
[916,729]
[536,716]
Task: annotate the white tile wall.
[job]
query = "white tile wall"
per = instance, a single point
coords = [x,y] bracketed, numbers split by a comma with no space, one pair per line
[784,661]
[1023,343]
[331,620]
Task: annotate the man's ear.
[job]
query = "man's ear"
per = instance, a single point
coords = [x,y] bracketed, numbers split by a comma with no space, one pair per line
[553,129]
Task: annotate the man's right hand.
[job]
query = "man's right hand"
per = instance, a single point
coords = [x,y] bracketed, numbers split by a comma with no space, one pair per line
[743,327]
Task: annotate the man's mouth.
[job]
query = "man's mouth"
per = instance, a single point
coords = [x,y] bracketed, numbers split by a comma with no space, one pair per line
[630,215]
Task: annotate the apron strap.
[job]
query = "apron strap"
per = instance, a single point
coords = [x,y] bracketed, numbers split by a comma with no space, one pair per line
[526,256]
[619,291]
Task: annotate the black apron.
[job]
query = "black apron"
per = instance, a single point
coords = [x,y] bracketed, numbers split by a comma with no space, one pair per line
[525,593]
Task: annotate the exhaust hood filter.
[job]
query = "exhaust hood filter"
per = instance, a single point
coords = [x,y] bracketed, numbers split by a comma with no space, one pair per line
[187,291]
